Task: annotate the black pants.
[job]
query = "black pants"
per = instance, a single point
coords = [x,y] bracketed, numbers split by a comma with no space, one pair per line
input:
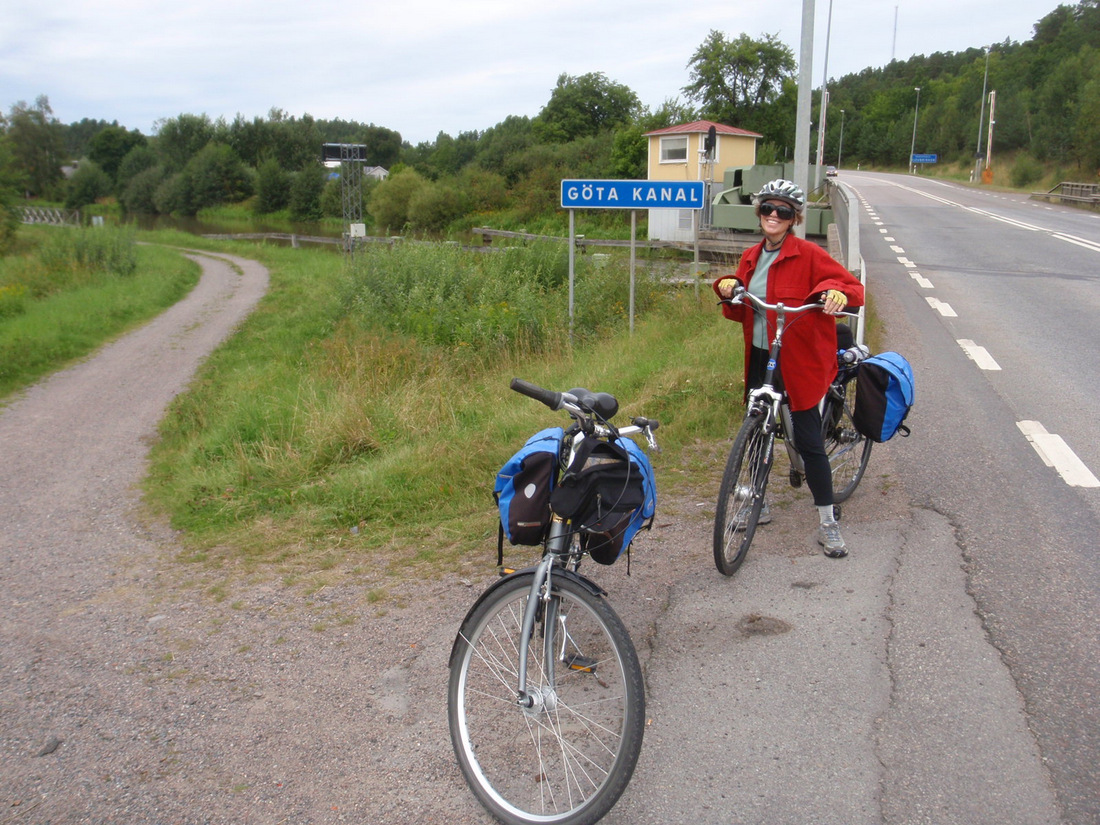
[807,433]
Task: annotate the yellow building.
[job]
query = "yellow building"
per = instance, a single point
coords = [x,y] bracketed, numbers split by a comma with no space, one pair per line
[678,153]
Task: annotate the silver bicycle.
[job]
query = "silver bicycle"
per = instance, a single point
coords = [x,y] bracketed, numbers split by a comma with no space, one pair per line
[546,700]
[768,417]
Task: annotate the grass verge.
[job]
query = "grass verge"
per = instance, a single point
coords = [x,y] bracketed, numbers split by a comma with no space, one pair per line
[67,290]
[357,420]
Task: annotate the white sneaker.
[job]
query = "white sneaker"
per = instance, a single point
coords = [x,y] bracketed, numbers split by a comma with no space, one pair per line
[828,536]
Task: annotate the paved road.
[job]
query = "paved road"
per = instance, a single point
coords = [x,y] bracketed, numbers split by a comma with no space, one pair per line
[998,297]
[946,672]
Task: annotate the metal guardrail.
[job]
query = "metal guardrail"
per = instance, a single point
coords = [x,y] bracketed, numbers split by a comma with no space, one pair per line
[846,226]
[1070,192]
[51,216]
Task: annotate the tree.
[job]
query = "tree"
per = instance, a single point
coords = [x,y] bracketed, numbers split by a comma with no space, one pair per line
[110,145]
[272,188]
[137,160]
[735,80]
[630,148]
[305,193]
[217,176]
[180,138]
[37,147]
[173,195]
[88,184]
[9,196]
[502,144]
[389,202]
[140,195]
[78,136]
[383,146]
[585,106]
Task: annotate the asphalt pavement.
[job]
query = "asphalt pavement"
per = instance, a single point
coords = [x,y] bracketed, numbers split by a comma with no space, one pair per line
[811,690]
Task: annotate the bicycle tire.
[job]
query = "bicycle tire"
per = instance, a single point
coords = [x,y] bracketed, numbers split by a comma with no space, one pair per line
[741,495]
[848,449]
[568,760]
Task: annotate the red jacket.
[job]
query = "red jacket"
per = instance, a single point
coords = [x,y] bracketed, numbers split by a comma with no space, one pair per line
[798,275]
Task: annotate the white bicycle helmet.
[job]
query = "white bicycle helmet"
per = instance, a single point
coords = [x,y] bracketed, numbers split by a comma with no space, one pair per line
[781,190]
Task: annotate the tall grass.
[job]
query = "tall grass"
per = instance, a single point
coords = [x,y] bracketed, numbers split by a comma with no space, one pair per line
[362,412]
[68,290]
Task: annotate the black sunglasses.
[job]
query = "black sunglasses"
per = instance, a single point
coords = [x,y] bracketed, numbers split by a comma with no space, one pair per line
[784,213]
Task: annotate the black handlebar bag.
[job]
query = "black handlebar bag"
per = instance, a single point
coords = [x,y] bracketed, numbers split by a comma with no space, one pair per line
[600,492]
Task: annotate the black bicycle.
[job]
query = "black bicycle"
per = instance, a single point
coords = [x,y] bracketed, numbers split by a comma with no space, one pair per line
[768,417]
[546,700]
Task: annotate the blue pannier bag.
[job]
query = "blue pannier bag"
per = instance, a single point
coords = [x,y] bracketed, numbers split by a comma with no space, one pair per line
[609,494]
[523,486]
[884,396]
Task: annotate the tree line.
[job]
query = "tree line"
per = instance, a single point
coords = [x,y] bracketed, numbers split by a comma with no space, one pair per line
[1047,116]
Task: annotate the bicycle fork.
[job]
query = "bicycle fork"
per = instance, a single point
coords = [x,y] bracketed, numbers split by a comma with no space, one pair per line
[540,599]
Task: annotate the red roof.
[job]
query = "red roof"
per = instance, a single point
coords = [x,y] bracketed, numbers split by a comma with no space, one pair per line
[703,126]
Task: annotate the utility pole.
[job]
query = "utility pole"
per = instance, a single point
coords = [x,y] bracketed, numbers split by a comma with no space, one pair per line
[824,102]
[981,117]
[913,145]
[802,105]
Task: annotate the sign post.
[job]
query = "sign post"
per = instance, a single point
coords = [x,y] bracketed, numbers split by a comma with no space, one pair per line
[633,195]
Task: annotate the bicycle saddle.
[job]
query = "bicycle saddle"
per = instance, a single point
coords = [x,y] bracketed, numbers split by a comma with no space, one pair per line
[602,404]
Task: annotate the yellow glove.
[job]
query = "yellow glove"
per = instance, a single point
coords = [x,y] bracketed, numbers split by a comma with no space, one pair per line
[726,286]
[835,300]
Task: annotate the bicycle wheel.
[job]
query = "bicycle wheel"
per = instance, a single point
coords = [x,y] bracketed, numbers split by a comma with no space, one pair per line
[741,496]
[568,758]
[847,448]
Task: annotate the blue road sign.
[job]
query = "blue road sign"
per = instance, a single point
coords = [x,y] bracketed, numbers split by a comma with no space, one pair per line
[923,158]
[632,194]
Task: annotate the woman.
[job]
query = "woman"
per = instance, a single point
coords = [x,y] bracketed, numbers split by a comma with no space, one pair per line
[785,268]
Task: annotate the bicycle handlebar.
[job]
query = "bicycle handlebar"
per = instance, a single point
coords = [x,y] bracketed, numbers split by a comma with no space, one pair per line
[740,293]
[582,402]
[551,399]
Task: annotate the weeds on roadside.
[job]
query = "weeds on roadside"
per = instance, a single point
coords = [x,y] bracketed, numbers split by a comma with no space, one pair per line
[362,412]
[66,290]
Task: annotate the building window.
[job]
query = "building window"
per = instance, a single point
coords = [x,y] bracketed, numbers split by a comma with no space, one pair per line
[685,219]
[674,149]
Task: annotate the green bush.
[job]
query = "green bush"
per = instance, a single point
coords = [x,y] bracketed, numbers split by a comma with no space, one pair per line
[432,208]
[88,183]
[305,194]
[389,202]
[140,195]
[1025,171]
[272,188]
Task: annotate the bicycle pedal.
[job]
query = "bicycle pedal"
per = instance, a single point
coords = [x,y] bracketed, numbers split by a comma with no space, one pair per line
[795,479]
[576,661]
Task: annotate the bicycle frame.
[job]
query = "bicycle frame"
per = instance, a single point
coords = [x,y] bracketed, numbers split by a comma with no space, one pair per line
[766,399]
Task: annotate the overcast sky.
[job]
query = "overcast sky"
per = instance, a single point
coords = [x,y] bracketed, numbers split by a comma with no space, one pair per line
[421,67]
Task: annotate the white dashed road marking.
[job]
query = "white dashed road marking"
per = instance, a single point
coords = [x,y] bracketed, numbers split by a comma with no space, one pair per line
[1057,454]
[979,355]
[942,308]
